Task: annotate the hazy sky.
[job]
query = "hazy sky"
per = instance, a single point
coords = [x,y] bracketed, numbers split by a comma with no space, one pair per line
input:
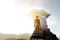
[13,15]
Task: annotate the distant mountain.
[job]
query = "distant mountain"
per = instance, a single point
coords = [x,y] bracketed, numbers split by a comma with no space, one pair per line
[9,36]
[25,36]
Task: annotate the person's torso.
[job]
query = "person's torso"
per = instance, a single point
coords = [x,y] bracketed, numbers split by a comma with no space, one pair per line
[37,22]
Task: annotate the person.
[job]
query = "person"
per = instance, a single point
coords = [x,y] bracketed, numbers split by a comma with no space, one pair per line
[37,25]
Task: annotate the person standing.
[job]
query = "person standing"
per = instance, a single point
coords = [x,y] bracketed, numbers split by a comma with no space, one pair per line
[37,25]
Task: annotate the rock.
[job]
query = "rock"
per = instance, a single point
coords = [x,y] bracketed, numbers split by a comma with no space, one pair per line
[46,35]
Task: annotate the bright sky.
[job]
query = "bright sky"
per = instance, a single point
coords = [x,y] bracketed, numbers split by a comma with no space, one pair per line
[13,17]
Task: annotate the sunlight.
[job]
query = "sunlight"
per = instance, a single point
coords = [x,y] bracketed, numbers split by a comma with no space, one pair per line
[14,19]
[25,21]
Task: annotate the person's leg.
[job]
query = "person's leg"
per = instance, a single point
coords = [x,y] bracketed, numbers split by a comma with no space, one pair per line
[36,29]
[39,29]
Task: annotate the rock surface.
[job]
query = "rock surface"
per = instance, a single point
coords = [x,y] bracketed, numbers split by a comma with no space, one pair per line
[46,35]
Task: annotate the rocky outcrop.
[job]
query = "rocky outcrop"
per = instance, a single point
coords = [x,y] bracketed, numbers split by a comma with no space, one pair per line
[46,35]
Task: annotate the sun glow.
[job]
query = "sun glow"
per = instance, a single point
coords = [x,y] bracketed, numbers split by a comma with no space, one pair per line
[26,23]
[14,19]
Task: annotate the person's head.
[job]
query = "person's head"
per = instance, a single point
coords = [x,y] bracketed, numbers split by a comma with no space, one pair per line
[36,17]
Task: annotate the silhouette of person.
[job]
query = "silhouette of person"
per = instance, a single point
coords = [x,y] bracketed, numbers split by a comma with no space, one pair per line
[37,25]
